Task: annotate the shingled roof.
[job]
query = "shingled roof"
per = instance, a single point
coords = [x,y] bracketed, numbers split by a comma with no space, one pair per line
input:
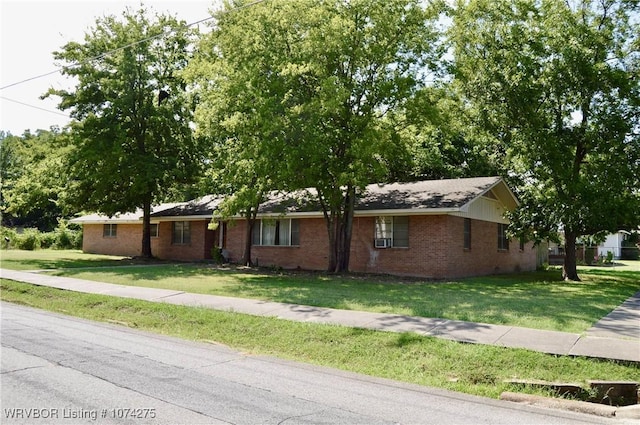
[122,218]
[428,196]
[204,206]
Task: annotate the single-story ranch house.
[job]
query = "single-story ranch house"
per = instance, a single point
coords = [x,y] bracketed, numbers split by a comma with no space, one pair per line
[434,229]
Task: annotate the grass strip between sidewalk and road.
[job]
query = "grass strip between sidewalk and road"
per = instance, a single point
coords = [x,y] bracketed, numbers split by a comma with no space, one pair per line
[468,368]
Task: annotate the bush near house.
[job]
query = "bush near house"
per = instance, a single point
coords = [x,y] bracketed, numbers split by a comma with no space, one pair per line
[63,237]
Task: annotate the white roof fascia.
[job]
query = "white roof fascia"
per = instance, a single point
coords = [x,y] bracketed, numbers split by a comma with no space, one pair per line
[105,221]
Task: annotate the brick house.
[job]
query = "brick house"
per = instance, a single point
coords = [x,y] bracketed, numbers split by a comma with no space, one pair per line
[434,229]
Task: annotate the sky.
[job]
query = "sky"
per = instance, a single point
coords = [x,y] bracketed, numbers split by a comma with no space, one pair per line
[31,30]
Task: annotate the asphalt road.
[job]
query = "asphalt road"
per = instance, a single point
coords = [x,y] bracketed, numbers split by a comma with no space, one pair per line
[63,370]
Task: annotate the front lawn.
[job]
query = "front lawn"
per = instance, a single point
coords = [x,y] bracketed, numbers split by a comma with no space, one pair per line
[535,300]
[43,259]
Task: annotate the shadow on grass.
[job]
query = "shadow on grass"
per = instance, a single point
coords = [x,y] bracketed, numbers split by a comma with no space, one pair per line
[68,263]
[503,299]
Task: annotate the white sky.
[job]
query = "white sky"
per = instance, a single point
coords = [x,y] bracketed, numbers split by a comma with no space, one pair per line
[30,30]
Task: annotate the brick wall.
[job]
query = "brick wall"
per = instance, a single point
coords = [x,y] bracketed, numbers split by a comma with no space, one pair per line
[199,248]
[312,254]
[425,256]
[484,257]
[435,247]
[128,240]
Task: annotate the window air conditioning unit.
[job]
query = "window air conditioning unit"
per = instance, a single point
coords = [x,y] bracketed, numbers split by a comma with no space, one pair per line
[382,242]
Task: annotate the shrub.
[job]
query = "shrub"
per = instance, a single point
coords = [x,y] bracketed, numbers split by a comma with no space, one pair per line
[28,240]
[66,237]
[63,237]
[609,259]
[8,237]
[47,240]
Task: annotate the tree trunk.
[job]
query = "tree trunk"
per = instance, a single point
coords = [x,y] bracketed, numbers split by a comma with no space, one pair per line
[250,215]
[345,231]
[146,228]
[331,220]
[340,226]
[569,270]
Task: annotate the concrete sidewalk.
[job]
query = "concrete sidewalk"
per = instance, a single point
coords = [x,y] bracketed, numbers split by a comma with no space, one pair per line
[617,336]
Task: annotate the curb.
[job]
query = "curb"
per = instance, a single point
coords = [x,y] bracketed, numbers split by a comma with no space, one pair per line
[627,412]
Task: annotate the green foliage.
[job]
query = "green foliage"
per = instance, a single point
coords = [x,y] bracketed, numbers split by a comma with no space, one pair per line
[28,239]
[34,178]
[525,299]
[441,139]
[609,258]
[291,95]
[131,129]
[216,255]
[62,237]
[554,83]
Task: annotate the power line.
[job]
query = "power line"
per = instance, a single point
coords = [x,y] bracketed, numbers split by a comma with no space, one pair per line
[124,47]
[100,56]
[34,106]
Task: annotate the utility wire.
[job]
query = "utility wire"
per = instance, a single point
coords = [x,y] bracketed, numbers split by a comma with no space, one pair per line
[100,56]
[34,106]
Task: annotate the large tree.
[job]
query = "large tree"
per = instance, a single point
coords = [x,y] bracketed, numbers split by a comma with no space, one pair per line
[131,116]
[33,175]
[556,81]
[315,79]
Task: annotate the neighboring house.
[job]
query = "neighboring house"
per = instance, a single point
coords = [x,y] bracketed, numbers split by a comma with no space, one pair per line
[614,243]
[434,229]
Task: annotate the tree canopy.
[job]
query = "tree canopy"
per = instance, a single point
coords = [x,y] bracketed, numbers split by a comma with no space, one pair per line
[332,95]
[302,86]
[33,177]
[556,82]
[131,125]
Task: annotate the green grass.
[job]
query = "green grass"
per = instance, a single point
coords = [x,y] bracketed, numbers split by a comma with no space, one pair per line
[473,369]
[44,259]
[537,300]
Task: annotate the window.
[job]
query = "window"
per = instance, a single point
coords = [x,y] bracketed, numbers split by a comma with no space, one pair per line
[181,234]
[283,232]
[467,233]
[154,230]
[392,232]
[109,230]
[503,240]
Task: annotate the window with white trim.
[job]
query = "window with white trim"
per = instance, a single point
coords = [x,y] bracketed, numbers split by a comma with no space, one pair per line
[392,232]
[109,230]
[272,232]
[154,230]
